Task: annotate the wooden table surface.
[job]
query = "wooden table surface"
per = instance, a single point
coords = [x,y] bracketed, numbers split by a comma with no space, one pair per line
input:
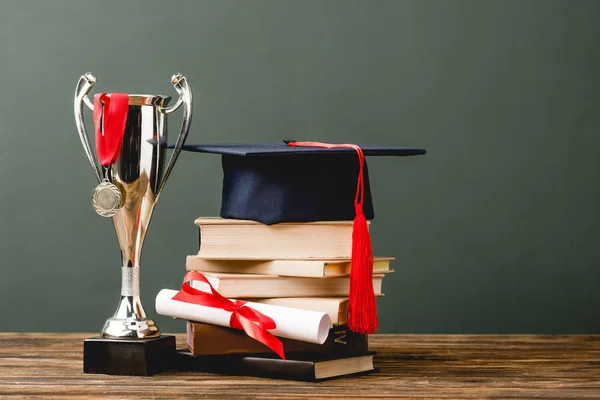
[412,366]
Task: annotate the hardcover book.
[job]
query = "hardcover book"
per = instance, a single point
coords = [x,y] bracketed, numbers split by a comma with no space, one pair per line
[297,368]
[207,339]
[267,286]
[240,239]
[314,268]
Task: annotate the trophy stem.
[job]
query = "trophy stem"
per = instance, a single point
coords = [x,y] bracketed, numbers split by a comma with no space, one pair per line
[130,281]
[130,321]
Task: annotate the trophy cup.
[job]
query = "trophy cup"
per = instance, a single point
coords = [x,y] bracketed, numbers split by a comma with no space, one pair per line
[130,343]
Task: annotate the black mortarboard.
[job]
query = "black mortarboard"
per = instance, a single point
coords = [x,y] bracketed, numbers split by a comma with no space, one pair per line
[305,182]
[273,183]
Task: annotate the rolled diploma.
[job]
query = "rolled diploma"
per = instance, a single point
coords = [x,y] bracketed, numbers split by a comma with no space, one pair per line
[292,323]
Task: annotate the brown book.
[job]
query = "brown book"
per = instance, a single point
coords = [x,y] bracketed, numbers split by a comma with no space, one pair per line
[335,307]
[207,339]
[252,286]
[248,240]
[311,268]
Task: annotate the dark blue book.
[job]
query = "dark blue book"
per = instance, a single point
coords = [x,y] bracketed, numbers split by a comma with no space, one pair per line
[299,368]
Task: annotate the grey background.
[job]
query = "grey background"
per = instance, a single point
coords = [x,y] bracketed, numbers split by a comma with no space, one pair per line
[496,229]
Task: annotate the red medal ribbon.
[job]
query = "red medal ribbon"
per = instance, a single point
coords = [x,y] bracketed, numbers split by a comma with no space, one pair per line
[114,116]
[362,309]
[254,323]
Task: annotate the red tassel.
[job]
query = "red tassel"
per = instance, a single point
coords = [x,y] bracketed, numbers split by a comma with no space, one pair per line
[362,309]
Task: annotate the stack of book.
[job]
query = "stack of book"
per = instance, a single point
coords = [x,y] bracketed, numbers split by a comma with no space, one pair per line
[298,265]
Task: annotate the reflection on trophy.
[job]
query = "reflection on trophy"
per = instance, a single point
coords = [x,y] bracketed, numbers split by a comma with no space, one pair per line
[131,172]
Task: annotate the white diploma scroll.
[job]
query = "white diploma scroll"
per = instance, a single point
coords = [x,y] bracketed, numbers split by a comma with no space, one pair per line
[292,323]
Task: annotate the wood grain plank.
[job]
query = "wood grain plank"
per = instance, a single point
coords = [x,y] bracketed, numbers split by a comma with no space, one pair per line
[412,366]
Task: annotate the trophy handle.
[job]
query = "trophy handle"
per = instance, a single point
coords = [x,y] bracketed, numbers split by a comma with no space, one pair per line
[185,97]
[85,84]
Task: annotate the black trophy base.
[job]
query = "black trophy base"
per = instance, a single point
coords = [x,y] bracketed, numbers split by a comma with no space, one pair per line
[140,357]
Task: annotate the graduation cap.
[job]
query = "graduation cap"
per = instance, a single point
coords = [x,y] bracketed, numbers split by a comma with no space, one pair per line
[304,182]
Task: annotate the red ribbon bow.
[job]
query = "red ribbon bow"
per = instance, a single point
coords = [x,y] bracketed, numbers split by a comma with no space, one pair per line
[254,323]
